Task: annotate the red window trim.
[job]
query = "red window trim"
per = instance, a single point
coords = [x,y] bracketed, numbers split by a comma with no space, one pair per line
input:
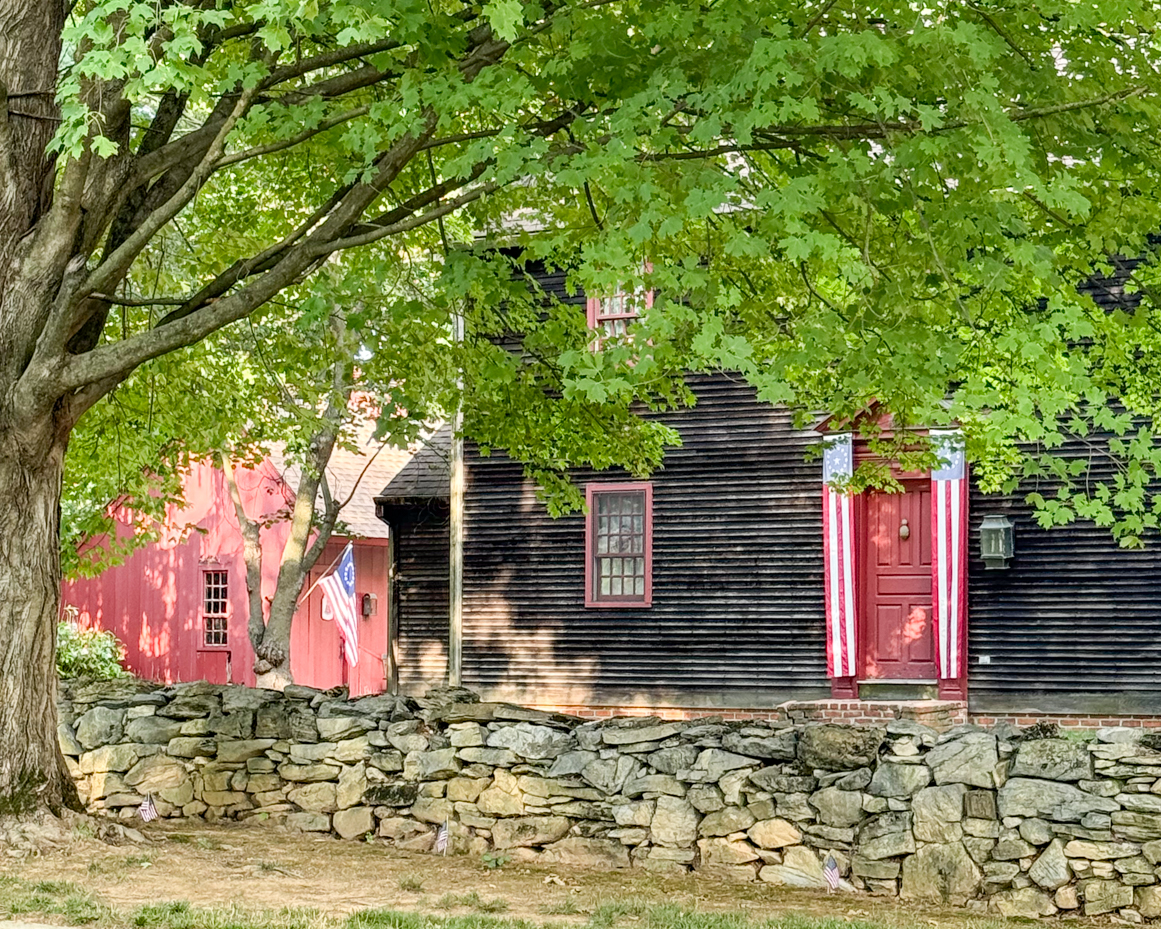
[203,645]
[596,317]
[591,491]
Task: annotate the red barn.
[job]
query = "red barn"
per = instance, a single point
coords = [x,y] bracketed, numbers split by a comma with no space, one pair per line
[179,603]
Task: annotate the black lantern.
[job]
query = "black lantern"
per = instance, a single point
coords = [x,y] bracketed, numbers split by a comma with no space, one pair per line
[997,541]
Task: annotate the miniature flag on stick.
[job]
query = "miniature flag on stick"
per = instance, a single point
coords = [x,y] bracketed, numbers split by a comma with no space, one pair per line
[147,811]
[830,872]
[339,603]
[441,839]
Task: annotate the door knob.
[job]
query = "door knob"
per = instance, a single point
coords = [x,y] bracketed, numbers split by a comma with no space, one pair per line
[904,530]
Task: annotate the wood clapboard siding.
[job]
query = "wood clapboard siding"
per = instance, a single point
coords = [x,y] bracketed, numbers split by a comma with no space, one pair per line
[421,586]
[737,615]
[1073,625]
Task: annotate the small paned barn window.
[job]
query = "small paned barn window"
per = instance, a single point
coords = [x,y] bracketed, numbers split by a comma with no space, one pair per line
[215,597]
[611,316]
[619,545]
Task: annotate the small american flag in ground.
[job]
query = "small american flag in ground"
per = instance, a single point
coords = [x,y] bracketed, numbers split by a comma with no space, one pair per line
[147,811]
[441,838]
[830,871]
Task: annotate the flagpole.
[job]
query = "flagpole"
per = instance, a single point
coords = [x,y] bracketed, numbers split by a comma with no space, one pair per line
[310,589]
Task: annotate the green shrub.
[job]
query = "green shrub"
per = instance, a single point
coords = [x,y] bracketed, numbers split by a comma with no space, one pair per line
[88,653]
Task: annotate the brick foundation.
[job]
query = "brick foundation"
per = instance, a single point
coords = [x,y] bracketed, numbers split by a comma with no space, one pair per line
[938,714]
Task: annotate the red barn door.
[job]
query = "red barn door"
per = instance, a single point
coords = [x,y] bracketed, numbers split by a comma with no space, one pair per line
[896,571]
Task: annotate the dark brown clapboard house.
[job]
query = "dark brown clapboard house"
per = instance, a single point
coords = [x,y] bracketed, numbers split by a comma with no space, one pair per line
[736,579]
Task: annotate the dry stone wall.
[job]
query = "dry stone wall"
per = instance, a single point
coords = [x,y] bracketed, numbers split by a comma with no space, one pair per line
[1018,822]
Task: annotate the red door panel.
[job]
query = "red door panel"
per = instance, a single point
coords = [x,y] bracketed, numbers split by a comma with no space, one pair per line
[214,666]
[897,585]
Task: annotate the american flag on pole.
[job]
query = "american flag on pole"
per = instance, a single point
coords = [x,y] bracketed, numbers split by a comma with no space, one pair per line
[148,810]
[838,545]
[949,534]
[339,604]
[830,873]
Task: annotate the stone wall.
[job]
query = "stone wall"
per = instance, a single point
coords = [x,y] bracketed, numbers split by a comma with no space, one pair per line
[1018,822]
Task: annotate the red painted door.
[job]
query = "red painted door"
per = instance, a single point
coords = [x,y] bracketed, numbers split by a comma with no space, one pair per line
[896,612]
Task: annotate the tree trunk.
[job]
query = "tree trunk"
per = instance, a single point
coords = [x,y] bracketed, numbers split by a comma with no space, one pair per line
[32,770]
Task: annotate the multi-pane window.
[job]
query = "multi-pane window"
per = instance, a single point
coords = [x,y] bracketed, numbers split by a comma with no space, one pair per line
[619,545]
[215,596]
[611,316]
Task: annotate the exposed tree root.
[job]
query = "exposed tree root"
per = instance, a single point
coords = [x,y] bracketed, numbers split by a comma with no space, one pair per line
[28,836]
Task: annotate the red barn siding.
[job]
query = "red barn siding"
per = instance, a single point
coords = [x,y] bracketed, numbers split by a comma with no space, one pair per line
[153,601]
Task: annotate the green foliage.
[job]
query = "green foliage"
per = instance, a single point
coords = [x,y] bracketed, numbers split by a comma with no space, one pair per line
[495,859]
[93,654]
[844,206]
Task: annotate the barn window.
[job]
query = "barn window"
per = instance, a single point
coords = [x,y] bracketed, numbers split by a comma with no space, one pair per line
[619,545]
[215,596]
[611,316]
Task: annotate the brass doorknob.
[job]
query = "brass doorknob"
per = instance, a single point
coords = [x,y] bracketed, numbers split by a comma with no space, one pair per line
[904,530]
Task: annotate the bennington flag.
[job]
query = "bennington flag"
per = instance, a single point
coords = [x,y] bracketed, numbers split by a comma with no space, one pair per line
[339,604]
[147,811]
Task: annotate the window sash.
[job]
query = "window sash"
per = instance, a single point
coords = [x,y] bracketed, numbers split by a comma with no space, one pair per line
[215,607]
[618,545]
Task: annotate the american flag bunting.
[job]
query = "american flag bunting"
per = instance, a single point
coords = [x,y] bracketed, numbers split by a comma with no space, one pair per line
[949,538]
[838,529]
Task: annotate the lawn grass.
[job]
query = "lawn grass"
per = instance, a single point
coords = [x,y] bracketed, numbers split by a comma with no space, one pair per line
[67,903]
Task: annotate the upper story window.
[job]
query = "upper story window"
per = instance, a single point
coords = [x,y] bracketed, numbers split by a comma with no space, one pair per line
[611,316]
[619,545]
[215,601]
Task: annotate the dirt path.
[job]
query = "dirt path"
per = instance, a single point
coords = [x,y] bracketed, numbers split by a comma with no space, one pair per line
[263,867]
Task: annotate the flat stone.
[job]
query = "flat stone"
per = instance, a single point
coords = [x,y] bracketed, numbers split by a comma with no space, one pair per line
[304,773]
[855,780]
[899,780]
[1140,803]
[100,726]
[155,730]
[352,787]
[354,823]
[654,784]
[438,765]
[498,802]
[721,852]
[839,748]
[191,747]
[1012,850]
[939,873]
[889,845]
[779,747]
[1053,759]
[1026,903]
[1148,901]
[156,773]
[391,795]
[575,851]
[628,735]
[726,821]
[672,760]
[970,759]
[1067,897]
[800,868]
[883,870]
[308,822]
[980,804]
[337,728]
[706,798]
[1137,826]
[399,827]
[1100,851]
[529,831]
[1051,800]
[838,807]
[675,822]
[493,757]
[434,810]
[241,750]
[318,797]
[1037,832]
[530,741]
[467,735]
[774,833]
[774,780]
[1101,896]
[352,750]
[109,758]
[634,813]
[611,774]
[938,812]
[1051,869]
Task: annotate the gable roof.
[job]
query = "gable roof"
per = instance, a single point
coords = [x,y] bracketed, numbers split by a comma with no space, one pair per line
[354,473]
[427,475]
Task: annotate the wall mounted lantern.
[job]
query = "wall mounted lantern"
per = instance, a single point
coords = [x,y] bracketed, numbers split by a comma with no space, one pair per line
[997,541]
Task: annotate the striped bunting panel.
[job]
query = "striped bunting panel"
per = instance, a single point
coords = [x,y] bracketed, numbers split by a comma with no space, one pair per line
[949,537]
[838,545]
